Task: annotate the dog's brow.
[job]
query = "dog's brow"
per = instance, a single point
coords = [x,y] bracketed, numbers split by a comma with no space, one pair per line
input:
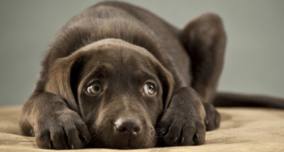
[144,74]
[99,71]
[103,69]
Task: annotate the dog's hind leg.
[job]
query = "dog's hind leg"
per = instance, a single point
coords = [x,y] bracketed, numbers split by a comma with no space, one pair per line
[204,38]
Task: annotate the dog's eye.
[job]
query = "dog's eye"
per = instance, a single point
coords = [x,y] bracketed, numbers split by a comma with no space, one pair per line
[94,89]
[150,89]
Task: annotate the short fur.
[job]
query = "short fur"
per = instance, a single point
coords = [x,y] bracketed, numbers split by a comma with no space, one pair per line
[123,46]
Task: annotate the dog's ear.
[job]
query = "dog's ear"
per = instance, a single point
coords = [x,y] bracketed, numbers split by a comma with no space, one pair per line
[168,83]
[63,78]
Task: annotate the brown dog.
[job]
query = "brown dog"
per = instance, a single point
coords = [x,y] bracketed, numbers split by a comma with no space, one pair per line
[119,76]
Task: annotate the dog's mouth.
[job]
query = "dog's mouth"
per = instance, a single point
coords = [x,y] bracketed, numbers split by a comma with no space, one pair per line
[107,137]
[128,142]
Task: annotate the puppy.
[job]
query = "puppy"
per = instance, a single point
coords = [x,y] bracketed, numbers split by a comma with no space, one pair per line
[118,76]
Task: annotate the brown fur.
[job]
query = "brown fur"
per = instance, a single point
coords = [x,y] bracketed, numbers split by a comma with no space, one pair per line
[184,64]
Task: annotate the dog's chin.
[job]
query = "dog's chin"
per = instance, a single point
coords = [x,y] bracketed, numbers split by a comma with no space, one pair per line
[104,139]
[130,143]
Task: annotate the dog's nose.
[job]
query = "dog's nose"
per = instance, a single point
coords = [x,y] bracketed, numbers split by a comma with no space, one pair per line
[127,126]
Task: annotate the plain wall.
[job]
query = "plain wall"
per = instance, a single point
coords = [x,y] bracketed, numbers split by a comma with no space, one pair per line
[254,58]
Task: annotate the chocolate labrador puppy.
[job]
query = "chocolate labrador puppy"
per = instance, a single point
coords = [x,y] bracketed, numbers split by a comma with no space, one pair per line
[118,76]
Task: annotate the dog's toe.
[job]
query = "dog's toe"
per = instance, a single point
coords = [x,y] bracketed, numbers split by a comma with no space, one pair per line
[213,117]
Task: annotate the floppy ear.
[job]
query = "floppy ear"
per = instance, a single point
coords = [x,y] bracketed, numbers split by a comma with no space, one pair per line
[167,83]
[63,79]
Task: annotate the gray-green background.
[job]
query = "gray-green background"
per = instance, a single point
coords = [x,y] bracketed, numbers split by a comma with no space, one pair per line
[255,50]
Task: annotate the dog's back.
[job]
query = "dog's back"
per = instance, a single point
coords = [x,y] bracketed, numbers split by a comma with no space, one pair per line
[124,21]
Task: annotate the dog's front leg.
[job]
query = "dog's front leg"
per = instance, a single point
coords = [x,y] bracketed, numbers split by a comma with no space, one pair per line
[183,121]
[47,117]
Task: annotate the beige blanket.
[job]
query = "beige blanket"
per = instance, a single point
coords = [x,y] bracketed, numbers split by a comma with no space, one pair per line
[242,130]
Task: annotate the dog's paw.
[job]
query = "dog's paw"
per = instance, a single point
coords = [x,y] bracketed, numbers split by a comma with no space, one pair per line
[213,118]
[61,130]
[174,131]
[182,123]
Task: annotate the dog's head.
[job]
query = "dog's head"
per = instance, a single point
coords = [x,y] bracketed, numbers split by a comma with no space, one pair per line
[118,88]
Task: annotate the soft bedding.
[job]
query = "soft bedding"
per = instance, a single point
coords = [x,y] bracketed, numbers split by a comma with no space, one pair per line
[242,130]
